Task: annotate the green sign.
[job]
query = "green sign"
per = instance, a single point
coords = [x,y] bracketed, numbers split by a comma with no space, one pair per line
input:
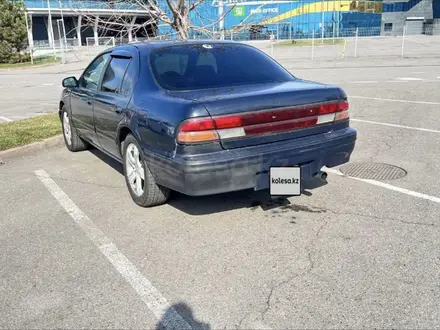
[238,11]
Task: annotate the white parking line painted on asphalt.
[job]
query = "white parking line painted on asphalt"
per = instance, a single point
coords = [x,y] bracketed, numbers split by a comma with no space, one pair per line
[364,82]
[148,293]
[48,84]
[396,81]
[409,79]
[5,119]
[393,100]
[394,125]
[388,186]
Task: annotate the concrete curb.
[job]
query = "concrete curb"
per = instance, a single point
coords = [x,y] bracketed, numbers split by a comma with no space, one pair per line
[31,149]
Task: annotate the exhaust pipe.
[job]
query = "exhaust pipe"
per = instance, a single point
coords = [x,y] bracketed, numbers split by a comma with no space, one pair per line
[321,175]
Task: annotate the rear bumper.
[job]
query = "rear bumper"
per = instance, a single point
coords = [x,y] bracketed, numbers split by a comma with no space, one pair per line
[247,168]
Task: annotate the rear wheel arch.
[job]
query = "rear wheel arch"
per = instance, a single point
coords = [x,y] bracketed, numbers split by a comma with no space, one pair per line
[124,131]
[151,194]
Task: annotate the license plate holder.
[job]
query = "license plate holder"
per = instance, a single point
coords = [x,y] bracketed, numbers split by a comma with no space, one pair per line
[285,181]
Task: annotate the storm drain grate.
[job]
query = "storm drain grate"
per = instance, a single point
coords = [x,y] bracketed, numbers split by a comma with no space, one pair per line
[373,171]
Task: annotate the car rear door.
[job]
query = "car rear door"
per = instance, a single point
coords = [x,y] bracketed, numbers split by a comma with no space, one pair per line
[82,98]
[112,98]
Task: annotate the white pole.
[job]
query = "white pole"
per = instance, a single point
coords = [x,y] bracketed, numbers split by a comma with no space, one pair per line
[61,41]
[333,21]
[29,41]
[62,17]
[403,40]
[322,22]
[49,22]
[356,42]
[95,31]
[221,23]
[343,49]
[313,43]
[78,31]
[337,21]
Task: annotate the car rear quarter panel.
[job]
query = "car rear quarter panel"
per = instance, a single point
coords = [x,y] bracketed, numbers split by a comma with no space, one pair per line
[158,115]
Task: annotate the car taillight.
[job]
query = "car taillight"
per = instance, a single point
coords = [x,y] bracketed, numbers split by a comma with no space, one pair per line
[205,129]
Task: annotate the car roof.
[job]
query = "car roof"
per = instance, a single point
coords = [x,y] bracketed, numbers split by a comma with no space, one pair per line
[148,45]
[165,43]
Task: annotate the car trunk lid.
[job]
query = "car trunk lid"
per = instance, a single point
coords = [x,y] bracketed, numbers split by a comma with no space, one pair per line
[250,115]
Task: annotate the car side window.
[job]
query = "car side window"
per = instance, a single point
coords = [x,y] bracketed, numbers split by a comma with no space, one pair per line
[111,82]
[91,76]
[129,79]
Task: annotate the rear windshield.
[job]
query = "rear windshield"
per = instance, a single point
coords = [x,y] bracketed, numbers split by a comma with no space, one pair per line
[183,67]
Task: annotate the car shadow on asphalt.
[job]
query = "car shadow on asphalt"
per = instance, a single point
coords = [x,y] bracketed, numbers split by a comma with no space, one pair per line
[108,160]
[204,205]
[185,312]
[246,199]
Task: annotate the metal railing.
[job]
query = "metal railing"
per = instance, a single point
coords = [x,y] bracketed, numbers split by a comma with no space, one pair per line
[345,44]
[86,4]
[409,41]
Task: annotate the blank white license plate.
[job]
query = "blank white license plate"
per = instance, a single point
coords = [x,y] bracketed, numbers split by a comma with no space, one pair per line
[285,181]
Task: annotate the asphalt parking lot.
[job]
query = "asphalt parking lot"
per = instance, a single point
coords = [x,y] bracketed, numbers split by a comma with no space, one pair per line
[78,253]
[31,92]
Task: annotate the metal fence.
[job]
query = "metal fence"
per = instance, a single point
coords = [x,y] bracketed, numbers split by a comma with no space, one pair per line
[345,43]
[316,45]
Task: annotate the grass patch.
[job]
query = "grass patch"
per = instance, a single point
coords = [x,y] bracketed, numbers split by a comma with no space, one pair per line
[37,61]
[29,130]
[308,42]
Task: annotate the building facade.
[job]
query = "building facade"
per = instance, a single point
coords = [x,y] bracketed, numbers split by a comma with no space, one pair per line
[327,18]
[257,19]
[52,20]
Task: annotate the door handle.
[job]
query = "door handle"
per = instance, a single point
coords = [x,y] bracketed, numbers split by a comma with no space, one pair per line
[118,110]
[87,100]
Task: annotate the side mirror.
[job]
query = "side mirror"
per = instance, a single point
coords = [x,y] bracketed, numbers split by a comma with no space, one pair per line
[70,82]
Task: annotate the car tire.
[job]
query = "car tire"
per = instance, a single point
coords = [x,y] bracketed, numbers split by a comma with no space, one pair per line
[144,191]
[71,139]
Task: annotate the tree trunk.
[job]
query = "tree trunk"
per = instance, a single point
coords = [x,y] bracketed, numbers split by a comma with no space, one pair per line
[181,24]
[182,32]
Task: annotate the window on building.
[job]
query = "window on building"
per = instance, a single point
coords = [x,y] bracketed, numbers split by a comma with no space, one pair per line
[388,27]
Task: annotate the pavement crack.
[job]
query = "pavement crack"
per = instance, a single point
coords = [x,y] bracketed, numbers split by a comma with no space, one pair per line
[242,320]
[383,218]
[311,259]
[388,147]
[310,248]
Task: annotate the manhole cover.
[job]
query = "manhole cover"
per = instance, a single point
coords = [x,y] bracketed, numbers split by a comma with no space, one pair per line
[373,171]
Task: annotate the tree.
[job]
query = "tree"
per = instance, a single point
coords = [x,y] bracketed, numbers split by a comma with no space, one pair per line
[178,15]
[13,32]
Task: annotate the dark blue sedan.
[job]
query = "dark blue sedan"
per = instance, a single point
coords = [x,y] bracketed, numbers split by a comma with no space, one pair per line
[205,117]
